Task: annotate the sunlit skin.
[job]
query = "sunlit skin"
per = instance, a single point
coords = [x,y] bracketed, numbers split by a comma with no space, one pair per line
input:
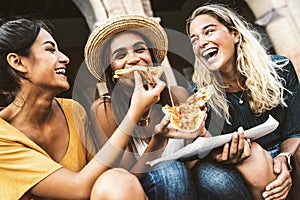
[128,49]
[215,45]
[210,37]
[38,115]
[44,62]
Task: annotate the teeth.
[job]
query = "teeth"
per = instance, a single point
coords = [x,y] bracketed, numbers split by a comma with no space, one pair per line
[60,71]
[209,53]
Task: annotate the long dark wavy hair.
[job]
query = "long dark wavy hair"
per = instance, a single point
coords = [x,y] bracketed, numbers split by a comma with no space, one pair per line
[120,98]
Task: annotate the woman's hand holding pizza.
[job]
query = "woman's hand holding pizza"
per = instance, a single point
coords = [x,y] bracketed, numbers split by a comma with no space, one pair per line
[150,96]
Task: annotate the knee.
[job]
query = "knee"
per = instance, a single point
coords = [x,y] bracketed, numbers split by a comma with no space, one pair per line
[117,184]
[259,158]
[169,180]
[210,177]
[257,153]
[218,181]
[257,170]
[172,171]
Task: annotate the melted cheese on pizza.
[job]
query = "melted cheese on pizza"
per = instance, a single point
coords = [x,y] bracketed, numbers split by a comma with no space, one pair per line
[188,116]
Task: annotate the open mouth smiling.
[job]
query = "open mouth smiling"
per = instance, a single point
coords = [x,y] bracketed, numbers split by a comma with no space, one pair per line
[210,53]
[60,71]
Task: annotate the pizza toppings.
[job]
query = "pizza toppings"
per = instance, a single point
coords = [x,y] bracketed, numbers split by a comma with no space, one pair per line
[146,72]
[201,96]
[188,116]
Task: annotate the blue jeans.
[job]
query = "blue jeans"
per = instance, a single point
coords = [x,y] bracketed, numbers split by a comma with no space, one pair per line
[169,180]
[215,181]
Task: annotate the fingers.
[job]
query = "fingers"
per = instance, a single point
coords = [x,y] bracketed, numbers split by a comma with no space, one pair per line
[186,135]
[159,82]
[205,114]
[280,192]
[162,126]
[277,165]
[164,129]
[139,82]
[150,94]
[280,187]
[277,193]
[223,156]
[237,146]
[238,150]
[234,146]
[201,131]
[247,149]
[241,140]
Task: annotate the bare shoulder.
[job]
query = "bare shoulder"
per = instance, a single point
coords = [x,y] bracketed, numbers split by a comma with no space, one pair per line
[102,116]
[101,109]
[101,104]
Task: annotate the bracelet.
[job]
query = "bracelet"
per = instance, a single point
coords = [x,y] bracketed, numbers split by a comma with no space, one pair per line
[290,160]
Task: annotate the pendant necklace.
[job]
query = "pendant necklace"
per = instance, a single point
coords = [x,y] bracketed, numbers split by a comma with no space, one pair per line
[239,98]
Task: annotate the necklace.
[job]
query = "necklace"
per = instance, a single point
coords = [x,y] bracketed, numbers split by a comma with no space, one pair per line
[145,121]
[241,101]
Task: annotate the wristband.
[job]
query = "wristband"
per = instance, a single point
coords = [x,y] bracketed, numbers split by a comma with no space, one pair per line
[290,160]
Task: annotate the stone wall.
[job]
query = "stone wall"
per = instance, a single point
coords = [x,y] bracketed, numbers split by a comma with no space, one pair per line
[281,19]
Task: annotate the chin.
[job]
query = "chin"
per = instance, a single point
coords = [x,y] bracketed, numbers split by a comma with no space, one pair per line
[65,87]
[213,68]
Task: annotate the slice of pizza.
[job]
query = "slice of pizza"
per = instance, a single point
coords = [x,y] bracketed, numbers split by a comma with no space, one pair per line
[201,96]
[146,72]
[188,116]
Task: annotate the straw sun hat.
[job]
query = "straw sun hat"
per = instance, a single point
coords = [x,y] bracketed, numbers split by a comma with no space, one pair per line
[95,45]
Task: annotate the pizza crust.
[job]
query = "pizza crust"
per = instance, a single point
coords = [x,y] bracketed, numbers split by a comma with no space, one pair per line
[146,72]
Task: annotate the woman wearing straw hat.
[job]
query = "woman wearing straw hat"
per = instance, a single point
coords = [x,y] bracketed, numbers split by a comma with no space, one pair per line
[45,148]
[250,85]
[123,42]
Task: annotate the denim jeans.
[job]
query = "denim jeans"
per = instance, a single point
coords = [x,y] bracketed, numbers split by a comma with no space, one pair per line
[215,181]
[170,180]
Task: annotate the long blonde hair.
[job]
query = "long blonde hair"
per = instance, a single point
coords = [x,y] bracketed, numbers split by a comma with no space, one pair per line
[264,86]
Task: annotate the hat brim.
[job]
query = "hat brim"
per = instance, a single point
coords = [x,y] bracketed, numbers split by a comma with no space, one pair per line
[150,28]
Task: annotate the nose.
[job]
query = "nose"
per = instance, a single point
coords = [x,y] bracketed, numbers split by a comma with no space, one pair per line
[202,42]
[133,59]
[63,58]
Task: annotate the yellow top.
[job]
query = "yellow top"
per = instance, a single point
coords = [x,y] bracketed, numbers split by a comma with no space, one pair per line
[23,163]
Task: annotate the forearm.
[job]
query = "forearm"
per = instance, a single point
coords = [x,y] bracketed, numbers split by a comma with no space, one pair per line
[112,151]
[66,184]
[110,154]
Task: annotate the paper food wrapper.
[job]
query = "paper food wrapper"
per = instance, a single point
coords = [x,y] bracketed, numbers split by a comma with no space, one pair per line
[202,145]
